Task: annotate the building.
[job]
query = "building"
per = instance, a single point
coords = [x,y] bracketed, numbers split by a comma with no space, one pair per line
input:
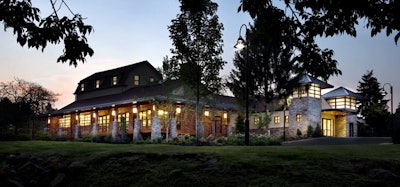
[137,98]
[335,111]
[134,99]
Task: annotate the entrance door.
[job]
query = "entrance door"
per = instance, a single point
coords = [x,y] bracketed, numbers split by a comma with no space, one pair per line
[327,127]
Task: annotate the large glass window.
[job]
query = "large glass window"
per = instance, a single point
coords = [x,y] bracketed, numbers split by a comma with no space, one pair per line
[104,121]
[84,119]
[65,121]
[327,129]
[343,103]
[145,116]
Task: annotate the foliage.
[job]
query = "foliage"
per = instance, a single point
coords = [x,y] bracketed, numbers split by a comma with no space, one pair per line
[240,126]
[298,133]
[197,39]
[373,106]
[255,140]
[279,53]
[21,92]
[329,18]
[263,119]
[310,131]
[318,131]
[37,32]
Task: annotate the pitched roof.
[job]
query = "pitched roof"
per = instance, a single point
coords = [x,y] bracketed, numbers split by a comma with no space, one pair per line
[172,89]
[307,79]
[341,92]
[122,72]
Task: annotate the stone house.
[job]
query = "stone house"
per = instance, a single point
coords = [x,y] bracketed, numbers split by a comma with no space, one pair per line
[335,111]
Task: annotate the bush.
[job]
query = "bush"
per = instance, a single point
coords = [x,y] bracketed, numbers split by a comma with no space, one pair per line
[298,133]
[318,131]
[310,131]
[255,140]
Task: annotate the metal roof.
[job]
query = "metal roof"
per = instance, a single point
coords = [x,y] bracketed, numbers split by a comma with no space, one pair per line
[341,92]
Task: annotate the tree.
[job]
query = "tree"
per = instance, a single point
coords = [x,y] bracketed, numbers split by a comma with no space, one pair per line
[197,39]
[329,18]
[37,32]
[37,97]
[278,53]
[373,106]
[170,69]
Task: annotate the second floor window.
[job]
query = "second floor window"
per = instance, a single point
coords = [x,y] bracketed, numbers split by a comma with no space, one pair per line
[136,79]
[97,84]
[277,119]
[114,80]
[298,117]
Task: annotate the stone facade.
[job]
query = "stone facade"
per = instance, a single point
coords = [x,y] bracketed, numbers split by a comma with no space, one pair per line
[310,110]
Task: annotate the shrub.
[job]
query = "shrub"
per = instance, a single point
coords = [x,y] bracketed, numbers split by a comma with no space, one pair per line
[318,131]
[298,133]
[310,131]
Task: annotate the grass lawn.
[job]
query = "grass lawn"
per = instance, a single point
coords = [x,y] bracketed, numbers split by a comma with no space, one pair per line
[169,165]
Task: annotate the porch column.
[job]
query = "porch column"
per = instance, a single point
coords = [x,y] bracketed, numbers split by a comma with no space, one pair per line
[228,130]
[173,130]
[95,128]
[76,134]
[114,132]
[155,128]
[213,128]
[59,133]
[136,130]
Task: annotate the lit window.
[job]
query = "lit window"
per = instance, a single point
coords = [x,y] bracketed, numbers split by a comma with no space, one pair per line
[65,121]
[123,116]
[136,80]
[256,121]
[115,79]
[84,119]
[82,87]
[104,121]
[286,119]
[97,84]
[277,119]
[145,116]
[298,117]
[151,79]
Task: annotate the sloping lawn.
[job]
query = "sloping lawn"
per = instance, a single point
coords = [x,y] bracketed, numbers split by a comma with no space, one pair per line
[169,165]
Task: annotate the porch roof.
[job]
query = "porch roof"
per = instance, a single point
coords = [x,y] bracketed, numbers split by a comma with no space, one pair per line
[164,91]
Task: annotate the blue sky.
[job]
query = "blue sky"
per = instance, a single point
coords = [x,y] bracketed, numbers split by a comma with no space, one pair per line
[131,31]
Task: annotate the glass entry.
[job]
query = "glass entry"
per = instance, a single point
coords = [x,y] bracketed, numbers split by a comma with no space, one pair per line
[327,127]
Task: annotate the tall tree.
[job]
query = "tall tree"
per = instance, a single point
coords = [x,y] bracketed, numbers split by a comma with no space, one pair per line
[279,52]
[373,106]
[197,39]
[37,32]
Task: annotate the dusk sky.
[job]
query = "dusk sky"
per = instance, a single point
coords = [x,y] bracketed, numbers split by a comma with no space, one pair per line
[127,32]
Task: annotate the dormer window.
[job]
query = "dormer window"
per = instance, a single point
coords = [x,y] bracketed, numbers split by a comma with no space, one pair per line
[82,87]
[151,79]
[114,80]
[136,80]
[97,83]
